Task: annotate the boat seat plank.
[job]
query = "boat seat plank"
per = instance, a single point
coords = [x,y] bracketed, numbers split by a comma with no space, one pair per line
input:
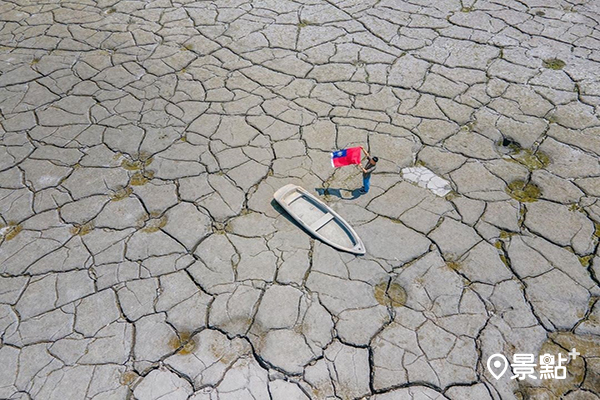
[293,197]
[318,224]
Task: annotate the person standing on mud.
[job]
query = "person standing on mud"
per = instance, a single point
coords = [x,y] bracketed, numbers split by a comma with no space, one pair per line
[368,169]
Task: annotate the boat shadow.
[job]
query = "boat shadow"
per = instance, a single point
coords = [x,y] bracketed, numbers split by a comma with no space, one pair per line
[337,192]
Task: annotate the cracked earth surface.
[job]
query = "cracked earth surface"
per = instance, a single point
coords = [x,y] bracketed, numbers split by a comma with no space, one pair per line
[141,143]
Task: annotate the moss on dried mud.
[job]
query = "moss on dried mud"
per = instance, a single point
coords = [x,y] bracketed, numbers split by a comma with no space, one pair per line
[575,207]
[141,178]
[585,261]
[13,229]
[451,195]
[529,158]
[453,262]
[128,377]
[131,165]
[139,162]
[121,193]
[504,235]
[184,343]
[82,230]
[532,160]
[523,191]
[554,63]
[391,294]
[454,265]
[155,223]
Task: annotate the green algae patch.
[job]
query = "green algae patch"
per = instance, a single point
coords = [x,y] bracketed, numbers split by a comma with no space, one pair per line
[532,160]
[121,193]
[523,191]
[219,227]
[127,378]
[303,23]
[453,262]
[135,165]
[12,230]
[391,294]
[554,63]
[454,265]
[585,261]
[139,178]
[575,207]
[468,127]
[155,223]
[527,157]
[138,162]
[504,235]
[82,230]
[131,165]
[183,343]
[451,195]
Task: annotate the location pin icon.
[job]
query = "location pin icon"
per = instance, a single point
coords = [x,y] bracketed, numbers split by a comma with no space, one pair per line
[497,364]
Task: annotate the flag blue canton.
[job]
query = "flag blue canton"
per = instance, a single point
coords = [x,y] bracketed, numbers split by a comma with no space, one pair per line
[340,153]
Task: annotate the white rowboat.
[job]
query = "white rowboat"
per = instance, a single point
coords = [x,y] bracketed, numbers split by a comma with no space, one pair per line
[319,219]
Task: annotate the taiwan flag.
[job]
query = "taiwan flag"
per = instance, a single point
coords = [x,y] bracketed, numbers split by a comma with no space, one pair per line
[345,157]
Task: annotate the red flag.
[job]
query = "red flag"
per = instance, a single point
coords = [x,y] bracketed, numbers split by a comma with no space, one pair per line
[345,157]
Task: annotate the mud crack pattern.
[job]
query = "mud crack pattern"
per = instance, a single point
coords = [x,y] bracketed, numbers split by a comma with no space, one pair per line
[141,143]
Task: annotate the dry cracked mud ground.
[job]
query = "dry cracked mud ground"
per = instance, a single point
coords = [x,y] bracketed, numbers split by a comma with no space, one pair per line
[141,143]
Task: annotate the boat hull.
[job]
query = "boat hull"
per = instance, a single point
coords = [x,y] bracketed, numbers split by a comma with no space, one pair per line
[319,219]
